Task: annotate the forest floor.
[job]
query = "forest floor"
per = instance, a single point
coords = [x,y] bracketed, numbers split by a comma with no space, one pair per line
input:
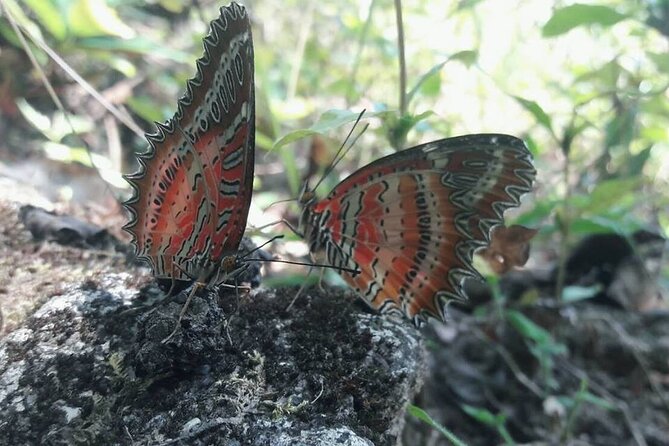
[528,369]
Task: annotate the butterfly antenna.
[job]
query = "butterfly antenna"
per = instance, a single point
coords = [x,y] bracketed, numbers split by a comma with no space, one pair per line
[341,152]
[314,265]
[352,144]
[288,200]
[290,262]
[258,248]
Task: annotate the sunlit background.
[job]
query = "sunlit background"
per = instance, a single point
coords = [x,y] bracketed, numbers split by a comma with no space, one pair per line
[518,67]
[587,81]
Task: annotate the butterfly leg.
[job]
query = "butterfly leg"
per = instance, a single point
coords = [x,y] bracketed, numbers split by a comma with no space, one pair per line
[232,274]
[173,285]
[285,222]
[226,325]
[320,280]
[196,286]
[173,282]
[302,288]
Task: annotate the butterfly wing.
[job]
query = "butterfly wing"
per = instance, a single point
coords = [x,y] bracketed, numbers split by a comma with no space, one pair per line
[410,222]
[193,190]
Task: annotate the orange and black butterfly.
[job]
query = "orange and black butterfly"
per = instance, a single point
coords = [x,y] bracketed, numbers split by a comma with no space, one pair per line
[406,226]
[193,190]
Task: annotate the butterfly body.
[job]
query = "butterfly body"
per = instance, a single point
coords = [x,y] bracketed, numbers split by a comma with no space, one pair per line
[410,222]
[193,190]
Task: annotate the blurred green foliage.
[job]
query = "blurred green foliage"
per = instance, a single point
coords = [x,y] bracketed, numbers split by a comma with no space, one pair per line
[420,414]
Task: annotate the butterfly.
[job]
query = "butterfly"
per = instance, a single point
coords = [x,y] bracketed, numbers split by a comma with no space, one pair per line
[402,231]
[193,190]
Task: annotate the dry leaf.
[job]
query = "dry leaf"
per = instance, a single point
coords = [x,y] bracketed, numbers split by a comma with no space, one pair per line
[509,247]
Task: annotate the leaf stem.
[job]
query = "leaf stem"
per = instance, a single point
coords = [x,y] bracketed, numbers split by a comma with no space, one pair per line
[564,225]
[402,60]
[362,41]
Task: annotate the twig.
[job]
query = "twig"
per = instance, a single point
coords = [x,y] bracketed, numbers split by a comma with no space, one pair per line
[567,429]
[298,55]
[636,352]
[564,229]
[88,88]
[603,393]
[319,393]
[217,422]
[358,54]
[519,375]
[402,60]
[127,432]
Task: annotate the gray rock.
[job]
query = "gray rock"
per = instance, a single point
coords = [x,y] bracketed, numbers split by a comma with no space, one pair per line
[90,367]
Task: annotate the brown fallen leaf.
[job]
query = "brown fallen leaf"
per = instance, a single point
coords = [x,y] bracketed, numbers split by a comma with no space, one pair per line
[509,247]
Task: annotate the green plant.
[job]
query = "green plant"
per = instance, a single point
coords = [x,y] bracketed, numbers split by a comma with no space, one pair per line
[575,403]
[420,414]
[498,422]
[540,343]
[609,129]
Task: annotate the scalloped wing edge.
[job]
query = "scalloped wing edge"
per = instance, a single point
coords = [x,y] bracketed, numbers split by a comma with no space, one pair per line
[467,248]
[233,11]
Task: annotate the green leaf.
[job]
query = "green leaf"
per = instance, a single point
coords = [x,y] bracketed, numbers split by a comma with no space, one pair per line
[335,118]
[50,17]
[597,401]
[538,213]
[67,154]
[173,6]
[468,4]
[527,328]
[329,120]
[419,413]
[56,126]
[145,107]
[292,173]
[16,11]
[467,57]
[81,155]
[609,193]
[397,128]
[434,72]
[636,162]
[620,129]
[430,83]
[567,18]
[574,293]
[263,141]
[606,74]
[660,60]
[293,136]
[603,225]
[140,45]
[539,114]
[482,415]
[88,18]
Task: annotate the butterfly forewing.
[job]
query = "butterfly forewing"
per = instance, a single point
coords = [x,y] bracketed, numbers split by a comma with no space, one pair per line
[193,189]
[410,222]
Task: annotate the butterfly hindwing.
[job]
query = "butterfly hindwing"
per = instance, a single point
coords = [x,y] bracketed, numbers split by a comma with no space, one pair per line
[193,189]
[410,222]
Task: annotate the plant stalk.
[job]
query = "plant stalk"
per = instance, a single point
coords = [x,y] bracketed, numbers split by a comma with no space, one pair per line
[402,60]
